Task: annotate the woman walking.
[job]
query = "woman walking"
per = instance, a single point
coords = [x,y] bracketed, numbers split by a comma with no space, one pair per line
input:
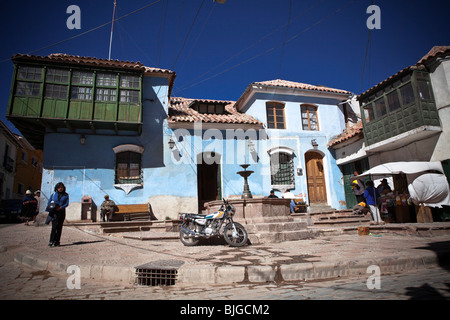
[61,200]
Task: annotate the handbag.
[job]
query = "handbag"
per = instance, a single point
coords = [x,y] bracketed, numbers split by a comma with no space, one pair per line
[51,206]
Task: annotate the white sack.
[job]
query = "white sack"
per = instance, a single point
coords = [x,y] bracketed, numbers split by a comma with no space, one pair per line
[431,189]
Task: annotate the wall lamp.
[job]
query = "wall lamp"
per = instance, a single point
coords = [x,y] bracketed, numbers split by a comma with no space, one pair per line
[171,144]
[82,139]
[314,144]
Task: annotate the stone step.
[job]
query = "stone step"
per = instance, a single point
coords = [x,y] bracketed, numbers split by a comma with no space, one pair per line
[273,237]
[275,227]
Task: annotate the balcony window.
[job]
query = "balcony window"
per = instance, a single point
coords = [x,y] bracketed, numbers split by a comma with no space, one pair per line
[106,79]
[424,89]
[282,169]
[57,76]
[80,77]
[29,73]
[407,94]
[105,94]
[55,91]
[28,88]
[129,82]
[393,101]
[380,107]
[81,93]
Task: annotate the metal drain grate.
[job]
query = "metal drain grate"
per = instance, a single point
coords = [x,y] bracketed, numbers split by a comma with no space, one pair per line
[158,273]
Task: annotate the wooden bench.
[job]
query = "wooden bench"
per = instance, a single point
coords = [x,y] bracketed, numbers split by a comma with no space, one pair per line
[132,212]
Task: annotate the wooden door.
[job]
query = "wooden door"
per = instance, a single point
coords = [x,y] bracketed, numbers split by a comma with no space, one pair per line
[317,191]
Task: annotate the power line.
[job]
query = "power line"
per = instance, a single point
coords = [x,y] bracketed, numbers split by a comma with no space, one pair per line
[273,48]
[284,40]
[187,35]
[93,29]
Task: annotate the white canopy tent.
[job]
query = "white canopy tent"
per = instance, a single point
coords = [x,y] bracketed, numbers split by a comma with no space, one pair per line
[427,183]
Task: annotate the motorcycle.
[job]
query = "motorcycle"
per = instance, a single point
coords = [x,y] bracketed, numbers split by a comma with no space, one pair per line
[195,227]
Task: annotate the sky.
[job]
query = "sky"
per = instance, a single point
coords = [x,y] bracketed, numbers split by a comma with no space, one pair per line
[217,50]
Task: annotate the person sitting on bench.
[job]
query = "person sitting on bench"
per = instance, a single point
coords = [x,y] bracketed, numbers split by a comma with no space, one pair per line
[107,209]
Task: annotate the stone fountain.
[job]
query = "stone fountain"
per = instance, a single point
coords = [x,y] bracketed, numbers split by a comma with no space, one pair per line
[245,174]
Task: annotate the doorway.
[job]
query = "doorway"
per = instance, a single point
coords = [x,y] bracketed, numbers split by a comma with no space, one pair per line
[315,176]
[209,179]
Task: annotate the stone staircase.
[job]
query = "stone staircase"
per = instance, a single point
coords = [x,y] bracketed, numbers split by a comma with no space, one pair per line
[324,216]
[278,232]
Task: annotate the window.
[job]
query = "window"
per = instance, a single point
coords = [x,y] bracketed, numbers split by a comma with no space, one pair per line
[210,108]
[282,169]
[105,94]
[28,88]
[80,77]
[57,75]
[128,167]
[55,91]
[106,79]
[424,89]
[29,73]
[380,107]
[275,115]
[407,94]
[129,82]
[309,118]
[130,96]
[393,101]
[81,93]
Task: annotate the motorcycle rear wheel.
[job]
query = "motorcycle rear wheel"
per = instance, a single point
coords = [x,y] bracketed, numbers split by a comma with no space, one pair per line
[237,240]
[188,240]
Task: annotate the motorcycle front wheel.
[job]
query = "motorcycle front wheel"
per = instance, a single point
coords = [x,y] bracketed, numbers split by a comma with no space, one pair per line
[235,238]
[188,240]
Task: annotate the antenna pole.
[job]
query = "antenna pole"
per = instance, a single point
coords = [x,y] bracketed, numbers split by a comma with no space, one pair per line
[112,26]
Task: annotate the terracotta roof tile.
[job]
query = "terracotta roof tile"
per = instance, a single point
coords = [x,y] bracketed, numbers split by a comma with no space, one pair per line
[180,111]
[89,61]
[348,133]
[299,85]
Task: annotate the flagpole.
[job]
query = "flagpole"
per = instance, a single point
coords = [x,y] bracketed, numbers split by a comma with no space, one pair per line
[112,26]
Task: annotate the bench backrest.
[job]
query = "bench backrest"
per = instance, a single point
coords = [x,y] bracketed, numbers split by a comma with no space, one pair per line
[132,208]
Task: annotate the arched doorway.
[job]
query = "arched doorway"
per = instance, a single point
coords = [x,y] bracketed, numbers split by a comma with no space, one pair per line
[209,178]
[315,175]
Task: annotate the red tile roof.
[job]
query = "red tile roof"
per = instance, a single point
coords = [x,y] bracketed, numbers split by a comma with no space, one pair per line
[299,85]
[348,133]
[88,61]
[180,111]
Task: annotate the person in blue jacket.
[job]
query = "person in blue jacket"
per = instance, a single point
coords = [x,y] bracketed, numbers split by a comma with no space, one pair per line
[371,194]
[61,199]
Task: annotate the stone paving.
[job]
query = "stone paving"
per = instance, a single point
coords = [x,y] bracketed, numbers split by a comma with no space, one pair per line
[113,258]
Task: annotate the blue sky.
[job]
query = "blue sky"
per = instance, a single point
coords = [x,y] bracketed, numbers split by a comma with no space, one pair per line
[234,44]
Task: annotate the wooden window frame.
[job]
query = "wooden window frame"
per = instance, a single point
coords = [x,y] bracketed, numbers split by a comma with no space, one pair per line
[308,127]
[271,108]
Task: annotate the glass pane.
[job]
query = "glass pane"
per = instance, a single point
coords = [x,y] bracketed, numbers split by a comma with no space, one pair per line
[106,79]
[27,89]
[104,94]
[129,96]
[30,73]
[79,77]
[81,93]
[55,91]
[380,107]
[424,90]
[129,81]
[57,75]
[407,94]
[393,101]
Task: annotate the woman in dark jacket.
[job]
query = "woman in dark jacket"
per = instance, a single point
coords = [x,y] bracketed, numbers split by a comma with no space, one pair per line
[61,199]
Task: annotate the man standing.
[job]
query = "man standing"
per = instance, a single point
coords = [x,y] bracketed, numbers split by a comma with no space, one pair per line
[107,209]
[358,188]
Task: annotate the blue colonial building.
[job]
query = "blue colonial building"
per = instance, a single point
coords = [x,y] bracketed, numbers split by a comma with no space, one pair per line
[112,127]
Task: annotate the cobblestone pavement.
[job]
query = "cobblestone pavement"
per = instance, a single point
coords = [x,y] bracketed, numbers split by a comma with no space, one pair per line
[23,283]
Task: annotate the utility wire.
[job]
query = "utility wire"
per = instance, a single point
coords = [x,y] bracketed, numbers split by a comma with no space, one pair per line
[182,88]
[187,36]
[284,40]
[93,29]
[273,48]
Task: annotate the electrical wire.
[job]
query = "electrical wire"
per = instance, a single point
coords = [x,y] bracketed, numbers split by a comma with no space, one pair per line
[284,40]
[90,30]
[273,48]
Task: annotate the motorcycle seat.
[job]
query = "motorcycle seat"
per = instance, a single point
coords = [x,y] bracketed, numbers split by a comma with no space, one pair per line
[195,216]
